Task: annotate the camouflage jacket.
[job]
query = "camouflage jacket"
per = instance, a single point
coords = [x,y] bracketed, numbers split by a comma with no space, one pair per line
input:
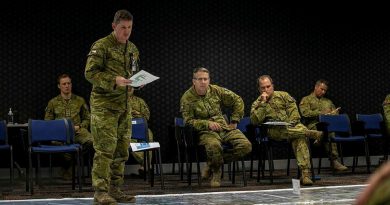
[311,107]
[386,111]
[75,108]
[198,110]
[280,107]
[106,60]
[139,108]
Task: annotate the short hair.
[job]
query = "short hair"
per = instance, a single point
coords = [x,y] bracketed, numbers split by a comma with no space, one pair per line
[263,77]
[321,81]
[200,69]
[122,15]
[64,75]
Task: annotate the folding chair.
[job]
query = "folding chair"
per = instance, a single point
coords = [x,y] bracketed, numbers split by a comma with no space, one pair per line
[40,135]
[140,133]
[341,126]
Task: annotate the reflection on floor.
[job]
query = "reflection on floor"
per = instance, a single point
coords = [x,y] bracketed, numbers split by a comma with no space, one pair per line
[313,195]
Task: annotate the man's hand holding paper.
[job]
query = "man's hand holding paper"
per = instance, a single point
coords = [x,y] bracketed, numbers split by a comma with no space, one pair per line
[142,78]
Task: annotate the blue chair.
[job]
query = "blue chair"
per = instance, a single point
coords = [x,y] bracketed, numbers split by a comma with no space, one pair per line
[4,145]
[140,133]
[243,126]
[40,135]
[375,128]
[342,128]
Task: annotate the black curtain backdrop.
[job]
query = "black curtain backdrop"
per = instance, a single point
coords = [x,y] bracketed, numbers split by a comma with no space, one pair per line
[296,43]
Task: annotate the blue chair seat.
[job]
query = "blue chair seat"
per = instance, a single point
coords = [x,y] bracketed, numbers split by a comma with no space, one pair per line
[43,131]
[4,146]
[348,139]
[56,149]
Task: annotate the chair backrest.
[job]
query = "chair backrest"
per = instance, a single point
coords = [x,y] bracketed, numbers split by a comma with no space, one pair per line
[243,124]
[337,123]
[139,129]
[371,121]
[3,132]
[48,130]
[71,130]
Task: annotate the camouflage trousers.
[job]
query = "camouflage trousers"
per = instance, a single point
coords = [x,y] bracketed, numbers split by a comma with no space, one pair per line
[139,156]
[83,137]
[111,131]
[212,142]
[296,135]
[332,149]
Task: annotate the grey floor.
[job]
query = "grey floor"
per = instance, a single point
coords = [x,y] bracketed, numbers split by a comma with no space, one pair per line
[313,195]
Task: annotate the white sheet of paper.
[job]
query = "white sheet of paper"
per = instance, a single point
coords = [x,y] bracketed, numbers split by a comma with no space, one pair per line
[296,186]
[277,123]
[142,78]
[144,146]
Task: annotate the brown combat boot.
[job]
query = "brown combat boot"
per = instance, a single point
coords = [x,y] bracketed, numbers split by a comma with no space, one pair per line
[338,166]
[103,198]
[206,173]
[314,134]
[306,178]
[119,196]
[216,179]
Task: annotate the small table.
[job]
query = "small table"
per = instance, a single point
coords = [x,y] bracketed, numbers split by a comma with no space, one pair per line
[18,137]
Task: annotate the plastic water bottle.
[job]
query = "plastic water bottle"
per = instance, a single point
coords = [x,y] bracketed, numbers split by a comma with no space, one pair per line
[10,116]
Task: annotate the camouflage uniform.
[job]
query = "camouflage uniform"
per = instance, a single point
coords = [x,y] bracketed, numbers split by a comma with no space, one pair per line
[110,111]
[198,110]
[386,111]
[75,109]
[311,107]
[139,109]
[282,107]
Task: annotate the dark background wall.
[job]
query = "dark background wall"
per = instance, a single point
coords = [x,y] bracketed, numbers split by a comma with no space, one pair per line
[295,43]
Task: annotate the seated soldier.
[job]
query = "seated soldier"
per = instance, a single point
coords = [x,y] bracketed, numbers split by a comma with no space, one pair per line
[280,106]
[71,106]
[314,105]
[201,106]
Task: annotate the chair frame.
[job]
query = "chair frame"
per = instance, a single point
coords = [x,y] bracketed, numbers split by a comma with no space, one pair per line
[142,135]
[6,146]
[350,133]
[35,147]
[375,128]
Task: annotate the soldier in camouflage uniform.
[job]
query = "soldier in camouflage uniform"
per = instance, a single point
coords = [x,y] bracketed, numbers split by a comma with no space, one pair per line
[280,106]
[71,106]
[201,108]
[386,111]
[314,105]
[378,189]
[139,109]
[109,66]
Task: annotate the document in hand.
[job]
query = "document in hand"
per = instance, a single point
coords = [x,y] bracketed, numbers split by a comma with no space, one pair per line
[142,78]
[277,123]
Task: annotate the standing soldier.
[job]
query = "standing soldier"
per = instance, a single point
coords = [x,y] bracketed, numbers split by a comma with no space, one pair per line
[314,105]
[109,66]
[70,106]
[280,106]
[139,109]
[201,108]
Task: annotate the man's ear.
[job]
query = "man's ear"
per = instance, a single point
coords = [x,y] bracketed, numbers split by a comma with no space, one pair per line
[58,85]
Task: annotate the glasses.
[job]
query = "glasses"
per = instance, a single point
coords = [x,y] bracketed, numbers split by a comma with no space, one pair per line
[201,79]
